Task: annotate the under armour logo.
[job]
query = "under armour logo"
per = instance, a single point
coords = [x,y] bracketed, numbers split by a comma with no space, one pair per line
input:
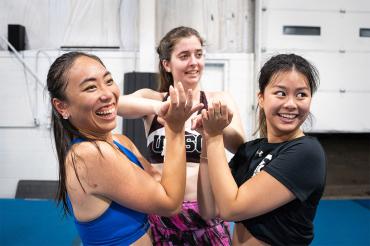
[259,153]
[263,163]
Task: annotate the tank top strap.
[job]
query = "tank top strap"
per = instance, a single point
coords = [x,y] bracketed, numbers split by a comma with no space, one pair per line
[165,97]
[203,99]
[131,156]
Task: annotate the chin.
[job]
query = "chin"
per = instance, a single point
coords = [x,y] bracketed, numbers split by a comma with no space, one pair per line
[108,128]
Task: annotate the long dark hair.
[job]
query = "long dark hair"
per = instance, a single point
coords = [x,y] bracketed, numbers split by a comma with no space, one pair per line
[284,63]
[63,131]
[165,49]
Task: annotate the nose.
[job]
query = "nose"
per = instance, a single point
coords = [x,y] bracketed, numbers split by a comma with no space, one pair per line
[193,60]
[106,94]
[290,103]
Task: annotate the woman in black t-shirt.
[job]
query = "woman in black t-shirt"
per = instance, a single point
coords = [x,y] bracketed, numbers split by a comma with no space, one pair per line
[272,186]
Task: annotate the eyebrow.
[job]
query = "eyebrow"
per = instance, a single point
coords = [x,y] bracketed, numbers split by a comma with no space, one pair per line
[189,51]
[93,78]
[299,88]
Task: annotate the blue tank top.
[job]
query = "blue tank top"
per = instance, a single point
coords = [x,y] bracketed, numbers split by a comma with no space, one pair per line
[118,225]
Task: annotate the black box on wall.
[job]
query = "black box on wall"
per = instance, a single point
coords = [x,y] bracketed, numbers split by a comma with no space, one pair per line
[16,36]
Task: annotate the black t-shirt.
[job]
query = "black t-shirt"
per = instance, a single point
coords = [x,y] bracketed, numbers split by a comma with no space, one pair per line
[300,165]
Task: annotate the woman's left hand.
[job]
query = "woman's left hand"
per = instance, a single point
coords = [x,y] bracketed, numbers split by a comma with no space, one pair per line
[216,119]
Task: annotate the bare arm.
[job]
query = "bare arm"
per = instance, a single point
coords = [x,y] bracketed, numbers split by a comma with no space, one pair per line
[148,167]
[205,197]
[257,196]
[233,134]
[111,175]
[139,104]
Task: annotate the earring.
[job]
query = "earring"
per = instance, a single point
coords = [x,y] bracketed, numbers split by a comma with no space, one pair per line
[65,116]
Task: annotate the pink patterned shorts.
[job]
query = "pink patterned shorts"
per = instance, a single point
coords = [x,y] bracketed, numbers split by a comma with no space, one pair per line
[189,228]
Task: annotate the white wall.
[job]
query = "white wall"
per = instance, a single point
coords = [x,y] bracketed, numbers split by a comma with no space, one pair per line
[340,54]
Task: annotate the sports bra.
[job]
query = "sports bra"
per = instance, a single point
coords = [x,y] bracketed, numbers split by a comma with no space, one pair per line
[156,139]
[118,225]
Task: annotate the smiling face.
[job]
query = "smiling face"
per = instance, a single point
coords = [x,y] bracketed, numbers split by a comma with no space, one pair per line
[286,103]
[187,61]
[91,96]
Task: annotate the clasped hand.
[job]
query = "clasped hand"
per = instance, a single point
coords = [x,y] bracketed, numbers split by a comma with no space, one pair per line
[213,121]
[178,108]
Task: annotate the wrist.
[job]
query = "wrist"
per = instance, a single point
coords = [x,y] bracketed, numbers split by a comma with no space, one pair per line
[175,129]
[212,138]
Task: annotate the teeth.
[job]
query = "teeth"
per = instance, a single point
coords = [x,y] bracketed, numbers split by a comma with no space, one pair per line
[289,116]
[105,112]
[192,72]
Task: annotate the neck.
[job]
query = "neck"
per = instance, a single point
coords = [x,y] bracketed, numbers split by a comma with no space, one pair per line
[194,87]
[271,138]
[108,137]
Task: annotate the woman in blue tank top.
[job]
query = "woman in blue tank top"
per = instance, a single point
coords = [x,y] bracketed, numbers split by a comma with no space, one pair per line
[104,182]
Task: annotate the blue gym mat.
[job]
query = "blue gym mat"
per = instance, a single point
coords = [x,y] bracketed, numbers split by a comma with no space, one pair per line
[40,222]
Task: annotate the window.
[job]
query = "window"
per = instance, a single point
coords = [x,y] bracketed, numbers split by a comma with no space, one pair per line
[365,32]
[302,30]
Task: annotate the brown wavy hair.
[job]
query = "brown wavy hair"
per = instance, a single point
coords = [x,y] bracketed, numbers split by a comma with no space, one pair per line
[165,49]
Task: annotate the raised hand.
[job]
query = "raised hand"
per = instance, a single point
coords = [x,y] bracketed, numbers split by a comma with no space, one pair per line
[178,108]
[216,119]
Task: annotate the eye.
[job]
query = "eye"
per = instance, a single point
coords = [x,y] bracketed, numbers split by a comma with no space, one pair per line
[110,82]
[199,54]
[184,57]
[90,88]
[280,93]
[301,95]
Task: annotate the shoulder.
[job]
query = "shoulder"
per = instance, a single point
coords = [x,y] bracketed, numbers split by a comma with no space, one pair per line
[91,151]
[222,95]
[307,145]
[250,147]
[253,143]
[149,94]
[125,141]
[303,154]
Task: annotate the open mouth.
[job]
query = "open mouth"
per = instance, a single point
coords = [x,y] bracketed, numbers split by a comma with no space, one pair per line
[107,112]
[192,72]
[288,117]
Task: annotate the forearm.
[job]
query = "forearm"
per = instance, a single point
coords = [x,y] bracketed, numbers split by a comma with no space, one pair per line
[223,184]
[174,168]
[205,197]
[133,107]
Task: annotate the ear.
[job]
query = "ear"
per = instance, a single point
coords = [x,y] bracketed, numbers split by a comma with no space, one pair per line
[166,65]
[260,99]
[61,107]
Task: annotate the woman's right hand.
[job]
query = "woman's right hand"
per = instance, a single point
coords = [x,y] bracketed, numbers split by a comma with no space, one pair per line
[178,108]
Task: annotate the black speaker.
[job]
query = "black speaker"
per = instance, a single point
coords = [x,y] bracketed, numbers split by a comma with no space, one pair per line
[134,129]
[16,36]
